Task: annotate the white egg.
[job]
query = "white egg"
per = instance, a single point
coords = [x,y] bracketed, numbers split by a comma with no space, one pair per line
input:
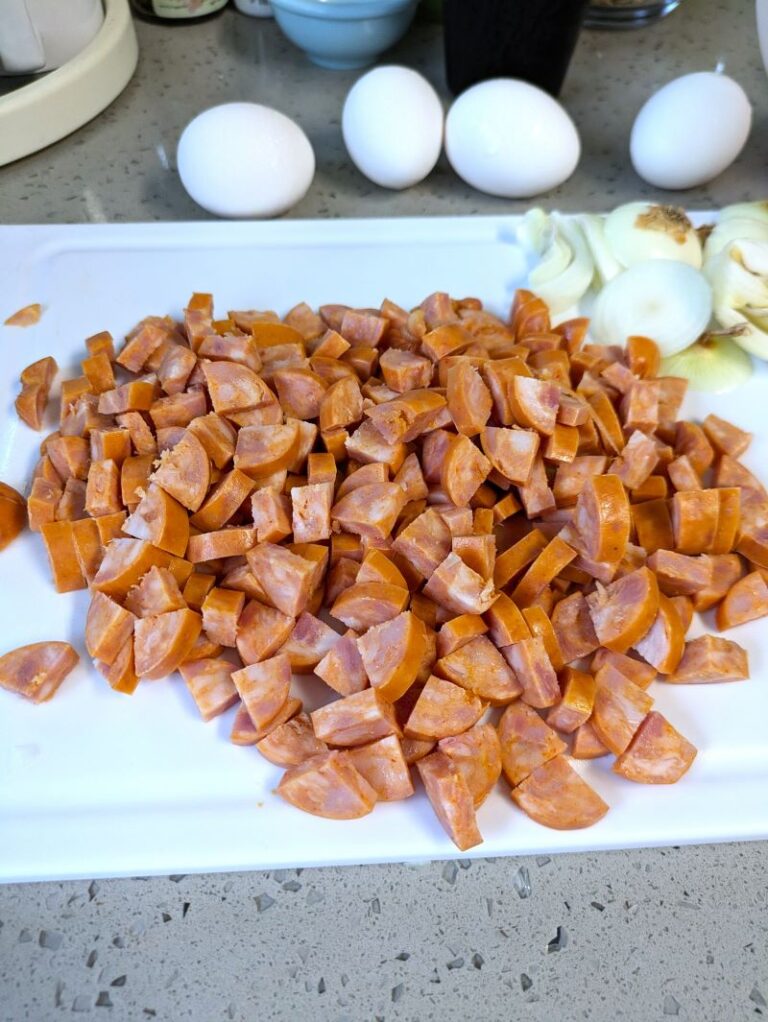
[509,138]
[393,126]
[245,160]
[690,130]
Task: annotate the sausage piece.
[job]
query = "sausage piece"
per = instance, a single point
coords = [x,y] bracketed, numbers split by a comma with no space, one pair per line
[108,626]
[710,659]
[534,672]
[355,719]
[463,471]
[229,494]
[442,709]
[525,741]
[554,795]
[679,574]
[36,671]
[460,630]
[620,707]
[746,600]
[727,569]
[383,766]
[695,516]
[161,520]
[573,628]
[310,640]
[162,643]
[586,745]
[724,437]
[425,543]
[233,541]
[370,510]
[451,799]
[481,669]
[222,610]
[211,686]
[392,654]
[602,517]
[264,688]
[658,754]
[623,611]
[261,631]
[287,577]
[555,556]
[291,743]
[13,514]
[185,472]
[477,756]
[469,400]
[365,604]
[458,588]
[125,563]
[342,666]
[578,700]
[328,785]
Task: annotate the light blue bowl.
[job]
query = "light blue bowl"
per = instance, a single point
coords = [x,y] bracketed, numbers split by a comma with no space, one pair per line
[344,34]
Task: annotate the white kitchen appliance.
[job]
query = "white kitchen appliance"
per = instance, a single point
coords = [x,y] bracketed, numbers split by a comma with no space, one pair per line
[60,101]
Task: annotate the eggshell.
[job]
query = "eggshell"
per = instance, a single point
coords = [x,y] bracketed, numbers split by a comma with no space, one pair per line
[690,130]
[509,138]
[393,126]
[245,160]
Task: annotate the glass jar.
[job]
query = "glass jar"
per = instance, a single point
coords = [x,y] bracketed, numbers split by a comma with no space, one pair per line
[178,10]
[627,13]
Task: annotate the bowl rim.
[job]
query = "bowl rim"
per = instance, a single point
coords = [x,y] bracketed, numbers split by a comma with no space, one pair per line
[343,10]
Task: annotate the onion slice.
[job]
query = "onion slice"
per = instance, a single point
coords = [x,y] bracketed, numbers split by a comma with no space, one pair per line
[606,265]
[564,270]
[713,365]
[638,231]
[726,232]
[659,298]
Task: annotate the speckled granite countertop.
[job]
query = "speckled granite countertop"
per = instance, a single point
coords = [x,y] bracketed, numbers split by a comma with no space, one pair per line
[640,935]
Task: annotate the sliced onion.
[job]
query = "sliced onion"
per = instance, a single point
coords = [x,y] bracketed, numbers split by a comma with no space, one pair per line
[745,210]
[534,231]
[751,337]
[555,260]
[638,231]
[713,365]
[568,287]
[606,265]
[660,298]
[725,232]
[733,285]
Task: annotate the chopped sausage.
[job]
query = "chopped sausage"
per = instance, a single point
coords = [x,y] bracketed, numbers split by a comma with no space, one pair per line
[264,688]
[392,653]
[637,460]
[263,450]
[554,795]
[291,743]
[727,569]
[746,600]
[222,610]
[229,542]
[425,542]
[653,525]
[157,593]
[356,719]
[211,686]
[36,671]
[480,668]
[578,700]
[367,445]
[658,753]
[724,437]
[728,520]
[370,510]
[602,517]
[328,785]
[458,588]
[36,382]
[451,799]
[694,520]
[287,577]
[442,709]
[525,741]
[196,588]
[476,754]
[261,631]
[342,666]
[365,604]
[518,556]
[161,520]
[586,745]
[469,400]
[377,567]
[222,503]
[662,645]
[571,478]
[464,470]
[460,630]
[185,472]
[383,766]
[408,416]
[691,440]
[679,574]
[535,674]
[161,643]
[548,564]
[121,673]
[310,640]
[535,494]
[13,514]
[573,628]
[623,611]
[620,707]
[636,671]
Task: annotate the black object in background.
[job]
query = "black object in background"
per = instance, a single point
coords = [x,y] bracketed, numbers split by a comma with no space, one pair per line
[529,39]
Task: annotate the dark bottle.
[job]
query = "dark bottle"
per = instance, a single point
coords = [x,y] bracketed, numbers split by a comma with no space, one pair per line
[528,39]
[178,11]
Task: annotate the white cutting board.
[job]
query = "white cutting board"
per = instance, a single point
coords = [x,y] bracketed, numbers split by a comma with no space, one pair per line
[96,783]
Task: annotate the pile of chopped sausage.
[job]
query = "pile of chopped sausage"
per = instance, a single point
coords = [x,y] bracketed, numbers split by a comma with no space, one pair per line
[484,540]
